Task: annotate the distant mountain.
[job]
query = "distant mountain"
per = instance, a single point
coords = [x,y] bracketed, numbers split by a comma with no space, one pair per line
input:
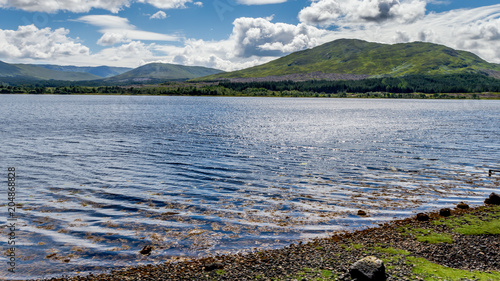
[365,59]
[101,71]
[154,72]
[32,73]
[102,75]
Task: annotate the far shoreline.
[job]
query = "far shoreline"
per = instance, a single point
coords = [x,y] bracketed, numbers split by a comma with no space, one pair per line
[415,96]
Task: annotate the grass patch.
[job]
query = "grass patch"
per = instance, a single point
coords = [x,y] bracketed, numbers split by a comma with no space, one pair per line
[435,238]
[357,246]
[326,273]
[491,227]
[220,271]
[345,247]
[427,235]
[430,271]
[471,224]
[392,251]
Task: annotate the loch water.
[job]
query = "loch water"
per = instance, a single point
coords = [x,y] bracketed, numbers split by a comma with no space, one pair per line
[99,177]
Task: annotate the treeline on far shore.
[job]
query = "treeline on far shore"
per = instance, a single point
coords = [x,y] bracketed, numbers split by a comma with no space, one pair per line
[417,86]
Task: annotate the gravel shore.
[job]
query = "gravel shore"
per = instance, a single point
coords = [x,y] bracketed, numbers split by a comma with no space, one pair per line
[396,243]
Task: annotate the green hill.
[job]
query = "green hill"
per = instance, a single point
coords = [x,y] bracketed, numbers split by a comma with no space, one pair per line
[33,72]
[8,70]
[41,73]
[101,71]
[150,73]
[349,56]
[162,72]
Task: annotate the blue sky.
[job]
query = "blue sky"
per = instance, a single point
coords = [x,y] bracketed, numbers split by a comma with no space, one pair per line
[231,34]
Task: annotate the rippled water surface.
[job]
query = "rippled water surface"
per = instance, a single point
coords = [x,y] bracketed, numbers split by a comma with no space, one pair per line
[99,177]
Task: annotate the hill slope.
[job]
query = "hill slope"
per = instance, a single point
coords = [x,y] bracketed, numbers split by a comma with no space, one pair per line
[41,73]
[349,56]
[33,72]
[101,71]
[162,71]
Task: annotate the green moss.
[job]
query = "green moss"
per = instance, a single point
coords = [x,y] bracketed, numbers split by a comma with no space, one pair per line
[357,246]
[392,251]
[326,273]
[430,271]
[220,271]
[435,238]
[345,247]
[471,224]
[490,227]
[427,235]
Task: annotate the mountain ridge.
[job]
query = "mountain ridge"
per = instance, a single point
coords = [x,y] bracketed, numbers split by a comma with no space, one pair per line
[33,72]
[151,73]
[358,57]
[102,71]
[162,71]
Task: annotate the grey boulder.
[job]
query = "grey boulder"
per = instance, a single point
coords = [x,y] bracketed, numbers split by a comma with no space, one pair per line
[368,269]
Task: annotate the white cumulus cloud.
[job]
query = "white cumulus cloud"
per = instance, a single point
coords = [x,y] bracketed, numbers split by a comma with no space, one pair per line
[126,54]
[348,12]
[112,38]
[259,36]
[33,43]
[159,15]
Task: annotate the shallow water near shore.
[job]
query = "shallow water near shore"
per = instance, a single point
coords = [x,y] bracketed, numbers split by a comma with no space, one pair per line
[99,177]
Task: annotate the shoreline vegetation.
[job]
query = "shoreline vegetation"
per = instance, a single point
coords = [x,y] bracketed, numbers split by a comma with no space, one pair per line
[464,86]
[159,90]
[463,245]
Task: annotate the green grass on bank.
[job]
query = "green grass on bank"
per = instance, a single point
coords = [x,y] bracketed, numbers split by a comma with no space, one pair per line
[429,271]
[427,235]
[470,224]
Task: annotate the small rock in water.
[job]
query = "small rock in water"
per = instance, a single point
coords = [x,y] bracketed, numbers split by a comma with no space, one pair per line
[462,206]
[368,269]
[422,217]
[146,250]
[494,199]
[361,213]
[446,212]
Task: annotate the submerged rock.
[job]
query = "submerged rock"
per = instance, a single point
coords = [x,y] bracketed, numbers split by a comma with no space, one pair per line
[494,199]
[368,269]
[445,212]
[146,250]
[422,217]
[361,213]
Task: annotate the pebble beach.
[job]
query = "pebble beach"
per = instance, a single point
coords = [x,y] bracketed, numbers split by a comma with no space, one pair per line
[411,250]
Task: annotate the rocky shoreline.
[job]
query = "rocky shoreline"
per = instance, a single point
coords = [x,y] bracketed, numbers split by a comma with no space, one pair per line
[465,244]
